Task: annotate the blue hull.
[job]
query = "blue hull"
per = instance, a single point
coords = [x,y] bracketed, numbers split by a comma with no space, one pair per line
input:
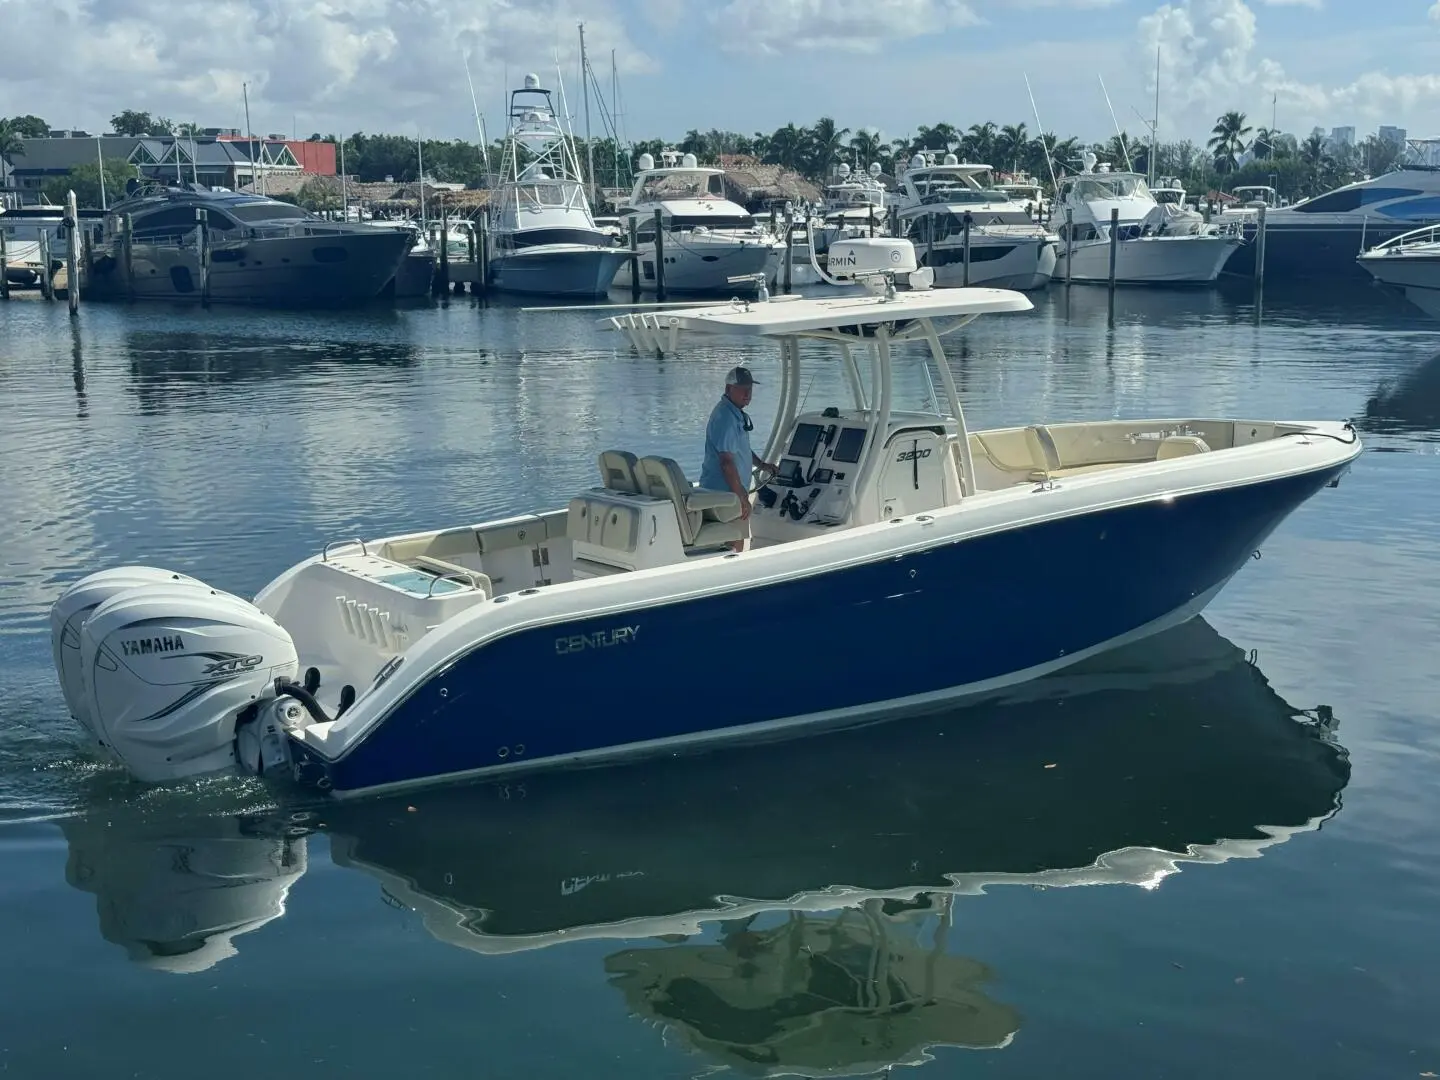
[958,615]
[1297,252]
[579,273]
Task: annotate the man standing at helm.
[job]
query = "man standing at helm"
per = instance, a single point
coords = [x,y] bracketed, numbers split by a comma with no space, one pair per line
[727,445]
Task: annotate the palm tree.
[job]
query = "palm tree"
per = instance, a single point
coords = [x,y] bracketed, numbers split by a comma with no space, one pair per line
[979,142]
[786,146]
[866,145]
[1312,153]
[1227,141]
[1263,145]
[825,142]
[1010,144]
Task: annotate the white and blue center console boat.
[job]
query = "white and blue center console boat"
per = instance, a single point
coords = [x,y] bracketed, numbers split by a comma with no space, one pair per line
[897,560]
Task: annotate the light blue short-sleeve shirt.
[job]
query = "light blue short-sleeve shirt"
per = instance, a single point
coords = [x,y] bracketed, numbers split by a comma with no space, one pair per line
[725,432]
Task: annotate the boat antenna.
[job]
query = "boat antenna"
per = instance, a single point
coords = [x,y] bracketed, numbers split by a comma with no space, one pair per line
[1119,135]
[479,120]
[1049,158]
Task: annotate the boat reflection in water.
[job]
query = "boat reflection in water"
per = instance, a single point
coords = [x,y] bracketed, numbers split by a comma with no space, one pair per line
[176,893]
[787,905]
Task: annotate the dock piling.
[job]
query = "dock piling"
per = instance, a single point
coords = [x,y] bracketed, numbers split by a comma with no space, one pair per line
[1069,240]
[633,223]
[47,283]
[965,280]
[4,267]
[789,253]
[72,254]
[1114,249]
[659,255]
[202,217]
[1260,247]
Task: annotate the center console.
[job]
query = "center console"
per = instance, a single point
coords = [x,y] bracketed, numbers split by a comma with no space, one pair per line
[814,489]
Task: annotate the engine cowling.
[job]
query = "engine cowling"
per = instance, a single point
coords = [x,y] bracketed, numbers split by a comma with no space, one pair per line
[167,668]
[75,605]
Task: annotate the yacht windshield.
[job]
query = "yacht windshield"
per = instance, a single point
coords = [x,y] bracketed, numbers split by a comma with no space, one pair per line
[1101,188]
[553,193]
[265,211]
[685,185]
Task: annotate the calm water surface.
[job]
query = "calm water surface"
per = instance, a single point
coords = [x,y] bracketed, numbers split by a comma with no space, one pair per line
[1214,854]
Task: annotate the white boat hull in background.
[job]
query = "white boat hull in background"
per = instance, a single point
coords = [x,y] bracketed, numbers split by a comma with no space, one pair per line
[1149,260]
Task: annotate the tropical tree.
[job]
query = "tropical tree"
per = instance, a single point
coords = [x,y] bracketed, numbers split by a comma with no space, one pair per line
[1010,145]
[865,144]
[10,141]
[1227,141]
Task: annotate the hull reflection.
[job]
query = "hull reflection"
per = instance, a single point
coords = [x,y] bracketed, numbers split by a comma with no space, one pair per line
[784,907]
[1116,770]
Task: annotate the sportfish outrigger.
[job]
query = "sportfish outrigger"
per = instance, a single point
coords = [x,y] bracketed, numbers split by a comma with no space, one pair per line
[897,560]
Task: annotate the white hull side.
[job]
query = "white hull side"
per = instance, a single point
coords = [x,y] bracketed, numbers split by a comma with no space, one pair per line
[1417,277]
[700,267]
[1029,266]
[1149,260]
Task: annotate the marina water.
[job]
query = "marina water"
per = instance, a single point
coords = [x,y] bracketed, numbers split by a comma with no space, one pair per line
[1211,854]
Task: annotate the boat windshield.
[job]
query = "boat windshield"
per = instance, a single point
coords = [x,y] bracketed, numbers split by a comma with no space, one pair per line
[265,211]
[1100,188]
[551,193]
[684,185]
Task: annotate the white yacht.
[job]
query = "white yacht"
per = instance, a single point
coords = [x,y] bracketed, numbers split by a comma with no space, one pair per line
[1007,249]
[1149,251]
[1173,213]
[709,242]
[543,238]
[1409,263]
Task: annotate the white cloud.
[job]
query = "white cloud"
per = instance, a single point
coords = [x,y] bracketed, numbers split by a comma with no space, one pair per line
[1210,62]
[772,27]
[392,62]
[1435,12]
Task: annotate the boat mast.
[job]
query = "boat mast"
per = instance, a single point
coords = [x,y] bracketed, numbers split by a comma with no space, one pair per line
[420,165]
[615,115]
[249,133]
[1155,127]
[589,143]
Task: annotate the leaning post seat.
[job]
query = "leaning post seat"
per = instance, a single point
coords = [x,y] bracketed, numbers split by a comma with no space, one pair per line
[707,518]
[619,471]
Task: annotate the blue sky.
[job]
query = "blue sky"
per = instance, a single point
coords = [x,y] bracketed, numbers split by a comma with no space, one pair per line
[741,64]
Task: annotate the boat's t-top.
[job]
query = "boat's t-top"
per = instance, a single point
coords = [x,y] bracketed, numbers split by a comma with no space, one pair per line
[836,465]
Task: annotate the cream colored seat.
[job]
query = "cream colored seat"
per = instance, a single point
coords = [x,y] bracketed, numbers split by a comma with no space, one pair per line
[619,471]
[707,518]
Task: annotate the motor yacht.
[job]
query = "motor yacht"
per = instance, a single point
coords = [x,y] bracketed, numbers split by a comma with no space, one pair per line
[1410,264]
[1155,244]
[1320,238]
[1003,246]
[250,250]
[922,561]
[709,244]
[543,238]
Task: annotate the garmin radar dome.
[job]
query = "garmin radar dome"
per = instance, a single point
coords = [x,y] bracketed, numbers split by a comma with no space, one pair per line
[872,261]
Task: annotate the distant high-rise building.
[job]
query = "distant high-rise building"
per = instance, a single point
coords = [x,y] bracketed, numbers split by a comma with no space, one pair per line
[1390,134]
[1343,136]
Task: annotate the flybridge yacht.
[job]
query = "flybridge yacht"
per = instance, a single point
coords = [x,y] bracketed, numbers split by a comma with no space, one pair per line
[544,239]
[708,243]
[397,660]
[1409,264]
[260,251]
[1006,248]
[1320,237]
[1156,244]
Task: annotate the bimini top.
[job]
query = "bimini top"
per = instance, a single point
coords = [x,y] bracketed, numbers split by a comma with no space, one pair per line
[782,316]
